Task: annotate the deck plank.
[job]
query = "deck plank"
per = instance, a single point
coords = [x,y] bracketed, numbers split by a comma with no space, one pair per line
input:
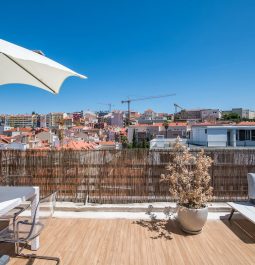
[127,242]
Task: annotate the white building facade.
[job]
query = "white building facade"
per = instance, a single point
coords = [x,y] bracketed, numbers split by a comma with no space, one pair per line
[210,114]
[223,136]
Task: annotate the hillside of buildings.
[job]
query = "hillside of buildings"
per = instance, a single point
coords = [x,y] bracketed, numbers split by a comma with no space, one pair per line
[87,130]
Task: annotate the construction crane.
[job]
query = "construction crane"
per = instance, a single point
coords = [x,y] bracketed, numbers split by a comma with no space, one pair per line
[176,106]
[110,105]
[128,101]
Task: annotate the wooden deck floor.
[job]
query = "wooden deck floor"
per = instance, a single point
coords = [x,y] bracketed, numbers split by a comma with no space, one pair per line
[121,242]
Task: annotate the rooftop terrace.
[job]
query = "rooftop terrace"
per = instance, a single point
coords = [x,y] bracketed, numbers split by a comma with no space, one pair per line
[119,241]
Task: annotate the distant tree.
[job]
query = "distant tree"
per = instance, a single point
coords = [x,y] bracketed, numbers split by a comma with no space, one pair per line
[145,143]
[139,145]
[134,140]
[124,141]
[246,119]
[166,125]
[231,117]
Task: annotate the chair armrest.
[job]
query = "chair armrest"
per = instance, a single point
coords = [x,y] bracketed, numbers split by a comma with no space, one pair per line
[26,222]
[22,209]
[13,215]
[17,228]
[16,214]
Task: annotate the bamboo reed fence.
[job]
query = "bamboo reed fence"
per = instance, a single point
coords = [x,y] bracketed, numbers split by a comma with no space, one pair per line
[118,176]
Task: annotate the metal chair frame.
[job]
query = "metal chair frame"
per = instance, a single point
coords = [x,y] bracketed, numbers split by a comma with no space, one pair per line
[17,241]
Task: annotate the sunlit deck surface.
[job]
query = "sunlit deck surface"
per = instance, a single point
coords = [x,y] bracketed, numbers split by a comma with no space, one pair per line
[120,242]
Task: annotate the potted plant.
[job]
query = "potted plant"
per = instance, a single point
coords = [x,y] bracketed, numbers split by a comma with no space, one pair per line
[189,182]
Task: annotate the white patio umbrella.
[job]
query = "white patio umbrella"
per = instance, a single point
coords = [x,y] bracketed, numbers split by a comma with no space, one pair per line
[22,66]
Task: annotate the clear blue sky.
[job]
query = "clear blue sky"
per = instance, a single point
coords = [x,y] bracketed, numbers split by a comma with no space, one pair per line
[202,50]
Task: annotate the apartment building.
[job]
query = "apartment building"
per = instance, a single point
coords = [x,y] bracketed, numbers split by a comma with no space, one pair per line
[151,131]
[151,117]
[143,132]
[189,115]
[243,113]
[54,119]
[42,121]
[2,119]
[210,114]
[174,130]
[4,128]
[68,122]
[241,134]
[198,115]
[22,120]
[90,118]
[117,118]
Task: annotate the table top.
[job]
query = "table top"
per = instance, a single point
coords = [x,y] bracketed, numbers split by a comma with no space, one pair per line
[247,209]
[11,197]
[6,206]
[9,193]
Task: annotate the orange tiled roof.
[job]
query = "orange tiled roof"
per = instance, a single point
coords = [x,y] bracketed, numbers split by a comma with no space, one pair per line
[208,124]
[243,123]
[19,130]
[107,143]
[42,148]
[78,145]
[4,139]
[246,123]
[161,124]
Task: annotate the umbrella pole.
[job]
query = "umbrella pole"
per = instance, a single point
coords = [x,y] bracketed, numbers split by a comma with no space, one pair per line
[29,72]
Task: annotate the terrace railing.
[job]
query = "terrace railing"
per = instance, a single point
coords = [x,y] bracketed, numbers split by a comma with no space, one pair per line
[118,176]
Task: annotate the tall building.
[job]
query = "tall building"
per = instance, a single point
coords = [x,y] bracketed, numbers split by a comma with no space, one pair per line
[198,115]
[151,117]
[210,114]
[117,118]
[244,113]
[2,119]
[54,119]
[22,120]
[189,115]
[42,121]
[90,117]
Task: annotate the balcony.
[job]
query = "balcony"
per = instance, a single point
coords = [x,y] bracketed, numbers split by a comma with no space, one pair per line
[97,241]
[86,178]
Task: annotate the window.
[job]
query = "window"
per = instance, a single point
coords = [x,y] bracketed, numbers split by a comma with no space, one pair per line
[241,135]
[245,135]
[205,131]
[253,135]
[248,135]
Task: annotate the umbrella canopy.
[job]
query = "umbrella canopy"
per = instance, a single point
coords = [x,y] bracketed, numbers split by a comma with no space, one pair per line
[22,66]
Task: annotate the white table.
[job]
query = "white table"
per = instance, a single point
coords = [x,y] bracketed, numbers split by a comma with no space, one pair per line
[11,197]
[247,209]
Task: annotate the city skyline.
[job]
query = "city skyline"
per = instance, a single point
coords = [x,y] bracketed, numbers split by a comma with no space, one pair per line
[125,111]
[201,51]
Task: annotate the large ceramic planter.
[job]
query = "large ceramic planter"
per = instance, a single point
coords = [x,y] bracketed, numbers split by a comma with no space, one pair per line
[192,220]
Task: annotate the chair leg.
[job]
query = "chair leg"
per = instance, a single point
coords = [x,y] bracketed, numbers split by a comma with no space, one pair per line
[231,214]
[33,256]
[18,253]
